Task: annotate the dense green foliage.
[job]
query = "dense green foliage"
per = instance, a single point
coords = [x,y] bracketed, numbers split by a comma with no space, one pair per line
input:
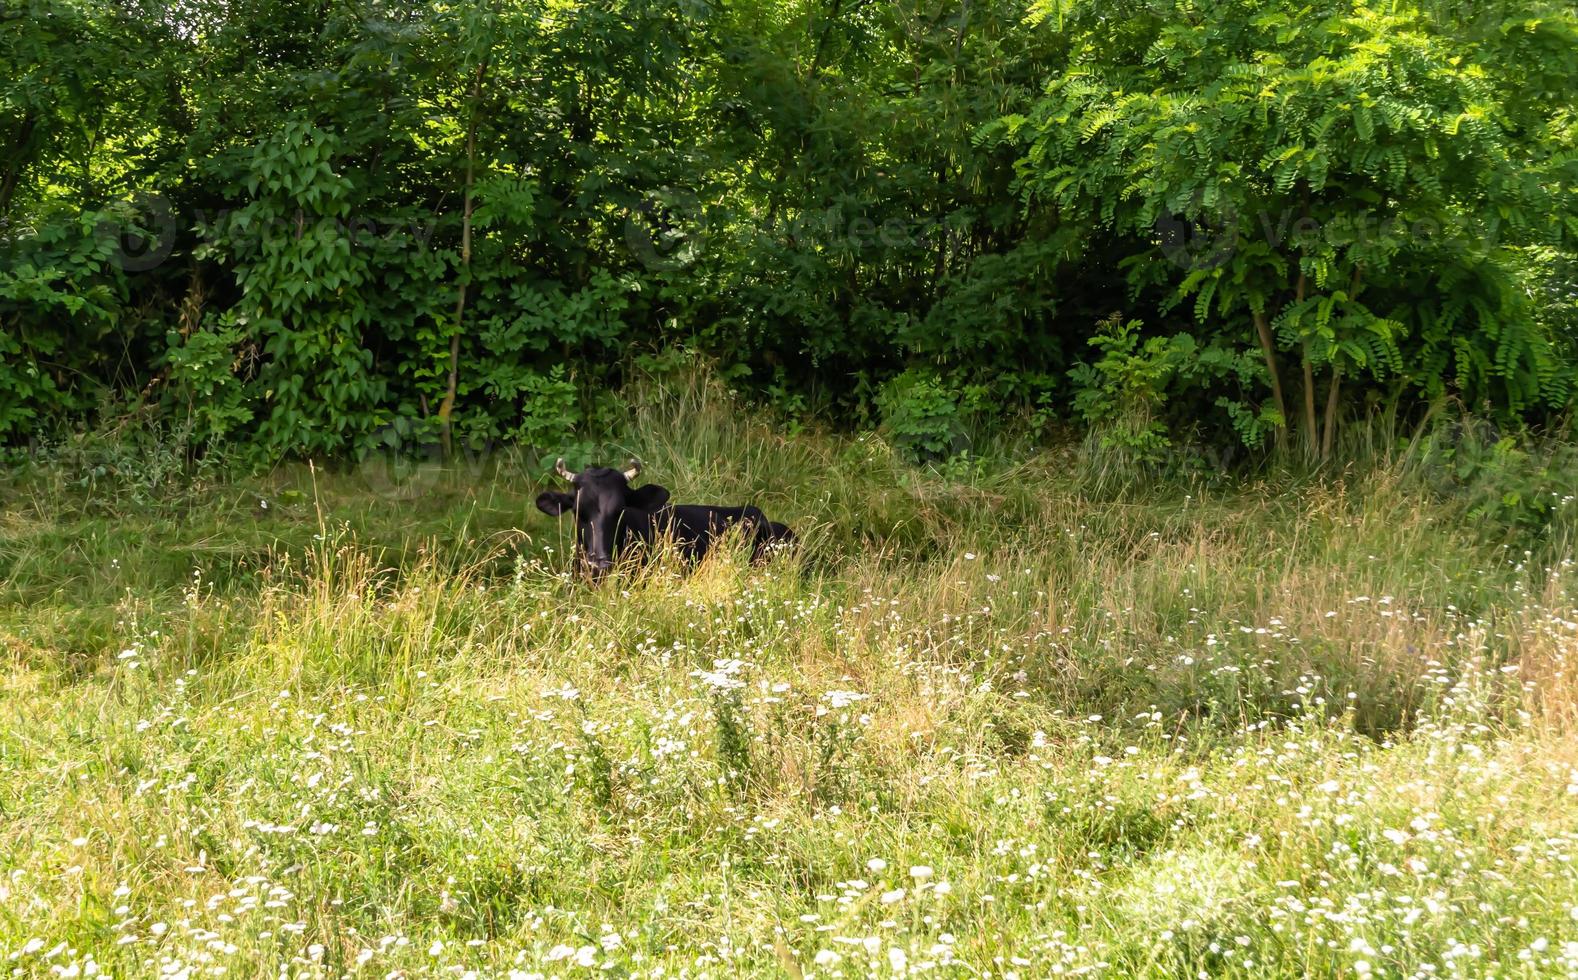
[322,227]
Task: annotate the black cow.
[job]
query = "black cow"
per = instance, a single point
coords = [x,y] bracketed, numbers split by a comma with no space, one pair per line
[611,518]
[776,538]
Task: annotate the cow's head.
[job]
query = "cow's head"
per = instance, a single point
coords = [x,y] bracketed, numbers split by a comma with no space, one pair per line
[607,511]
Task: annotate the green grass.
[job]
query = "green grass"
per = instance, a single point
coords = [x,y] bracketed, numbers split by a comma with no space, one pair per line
[1010,725]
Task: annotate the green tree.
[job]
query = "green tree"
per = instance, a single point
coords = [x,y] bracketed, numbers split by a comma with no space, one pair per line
[1343,184]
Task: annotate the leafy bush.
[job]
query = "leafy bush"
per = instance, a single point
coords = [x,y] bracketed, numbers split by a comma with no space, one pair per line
[926,418]
[61,297]
[201,372]
[1132,394]
[1505,479]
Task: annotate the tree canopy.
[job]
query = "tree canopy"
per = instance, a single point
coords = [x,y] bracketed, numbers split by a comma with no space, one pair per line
[325,226]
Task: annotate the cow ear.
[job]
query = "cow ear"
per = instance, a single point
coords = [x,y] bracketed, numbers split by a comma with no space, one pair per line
[553,504]
[649,497]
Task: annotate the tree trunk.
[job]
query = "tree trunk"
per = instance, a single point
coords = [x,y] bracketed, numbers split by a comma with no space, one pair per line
[1311,429]
[13,167]
[1269,348]
[446,408]
[775,195]
[821,42]
[1328,436]
[958,40]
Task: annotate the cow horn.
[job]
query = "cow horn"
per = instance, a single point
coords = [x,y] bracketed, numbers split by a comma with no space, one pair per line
[632,468]
[564,474]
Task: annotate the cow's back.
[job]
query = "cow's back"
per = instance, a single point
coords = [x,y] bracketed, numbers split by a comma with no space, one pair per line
[694,527]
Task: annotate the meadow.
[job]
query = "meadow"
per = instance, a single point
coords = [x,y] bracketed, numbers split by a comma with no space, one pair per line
[1018,719]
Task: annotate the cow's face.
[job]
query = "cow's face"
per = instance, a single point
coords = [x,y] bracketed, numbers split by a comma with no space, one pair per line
[606,509]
